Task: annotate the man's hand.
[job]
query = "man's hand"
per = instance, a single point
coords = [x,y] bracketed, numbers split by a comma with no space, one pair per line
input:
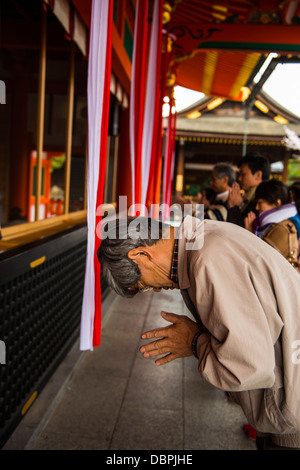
[174,340]
[249,221]
[235,198]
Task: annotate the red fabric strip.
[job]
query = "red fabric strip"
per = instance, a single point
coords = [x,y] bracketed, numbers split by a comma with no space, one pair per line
[157,130]
[101,180]
[140,80]
[169,158]
[169,137]
[172,156]
[159,169]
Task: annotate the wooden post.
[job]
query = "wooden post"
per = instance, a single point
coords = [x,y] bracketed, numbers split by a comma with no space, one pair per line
[246,124]
[69,128]
[41,111]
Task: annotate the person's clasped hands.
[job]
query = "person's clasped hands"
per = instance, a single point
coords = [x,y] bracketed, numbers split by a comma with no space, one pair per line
[174,341]
[235,198]
[249,221]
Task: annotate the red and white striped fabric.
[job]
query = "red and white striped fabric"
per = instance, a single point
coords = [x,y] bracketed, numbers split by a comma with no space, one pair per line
[99,72]
[137,97]
[169,160]
[150,129]
[146,104]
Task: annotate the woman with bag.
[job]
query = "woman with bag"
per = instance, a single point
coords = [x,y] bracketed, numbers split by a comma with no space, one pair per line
[278,222]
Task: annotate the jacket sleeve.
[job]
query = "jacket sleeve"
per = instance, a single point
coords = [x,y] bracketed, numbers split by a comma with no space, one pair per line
[234,216]
[236,351]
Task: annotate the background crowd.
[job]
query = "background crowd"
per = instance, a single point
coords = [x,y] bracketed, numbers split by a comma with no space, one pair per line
[249,198]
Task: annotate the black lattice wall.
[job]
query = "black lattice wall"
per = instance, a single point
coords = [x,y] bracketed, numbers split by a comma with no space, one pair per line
[41,289]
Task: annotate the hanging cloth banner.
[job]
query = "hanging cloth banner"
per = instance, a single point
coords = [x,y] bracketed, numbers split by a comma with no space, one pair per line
[153,104]
[154,187]
[99,72]
[169,160]
[173,143]
[146,105]
[137,97]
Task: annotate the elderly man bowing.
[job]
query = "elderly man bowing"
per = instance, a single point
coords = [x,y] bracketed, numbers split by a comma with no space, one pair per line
[245,298]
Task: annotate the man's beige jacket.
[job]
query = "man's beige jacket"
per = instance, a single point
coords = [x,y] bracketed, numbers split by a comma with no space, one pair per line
[246,299]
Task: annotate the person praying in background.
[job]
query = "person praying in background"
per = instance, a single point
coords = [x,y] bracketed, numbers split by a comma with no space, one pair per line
[254,168]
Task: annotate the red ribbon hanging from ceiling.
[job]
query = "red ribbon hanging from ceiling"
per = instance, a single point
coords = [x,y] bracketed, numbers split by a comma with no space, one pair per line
[101,181]
[169,159]
[137,97]
[99,74]
[153,193]
[147,88]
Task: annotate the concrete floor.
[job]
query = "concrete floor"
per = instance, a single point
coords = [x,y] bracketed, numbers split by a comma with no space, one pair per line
[114,399]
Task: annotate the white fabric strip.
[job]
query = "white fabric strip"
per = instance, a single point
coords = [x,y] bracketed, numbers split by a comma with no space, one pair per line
[96,78]
[149,114]
[166,160]
[132,106]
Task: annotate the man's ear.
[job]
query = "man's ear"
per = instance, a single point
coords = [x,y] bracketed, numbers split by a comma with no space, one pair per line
[136,253]
[225,179]
[258,175]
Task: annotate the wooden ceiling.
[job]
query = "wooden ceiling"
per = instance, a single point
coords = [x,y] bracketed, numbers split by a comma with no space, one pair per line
[218,46]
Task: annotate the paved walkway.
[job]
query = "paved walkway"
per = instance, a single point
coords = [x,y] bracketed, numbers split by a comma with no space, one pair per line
[114,399]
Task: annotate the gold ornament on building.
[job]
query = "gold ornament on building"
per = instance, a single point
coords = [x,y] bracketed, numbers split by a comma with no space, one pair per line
[171,77]
[167,44]
[167,9]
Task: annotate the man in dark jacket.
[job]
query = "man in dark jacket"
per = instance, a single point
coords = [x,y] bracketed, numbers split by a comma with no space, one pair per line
[254,168]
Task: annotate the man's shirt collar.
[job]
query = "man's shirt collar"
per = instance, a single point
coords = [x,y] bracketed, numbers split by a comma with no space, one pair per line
[174,263]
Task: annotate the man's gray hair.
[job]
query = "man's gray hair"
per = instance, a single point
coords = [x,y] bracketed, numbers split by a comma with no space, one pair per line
[118,238]
[224,169]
